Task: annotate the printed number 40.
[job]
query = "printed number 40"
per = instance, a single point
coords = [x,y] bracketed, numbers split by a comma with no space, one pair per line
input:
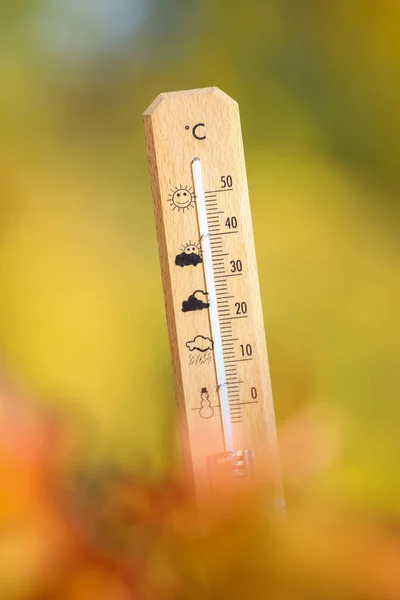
[231,222]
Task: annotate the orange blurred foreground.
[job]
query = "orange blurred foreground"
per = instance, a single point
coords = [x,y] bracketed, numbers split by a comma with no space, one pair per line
[71,537]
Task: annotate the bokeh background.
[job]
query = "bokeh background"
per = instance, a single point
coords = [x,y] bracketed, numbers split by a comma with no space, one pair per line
[82,325]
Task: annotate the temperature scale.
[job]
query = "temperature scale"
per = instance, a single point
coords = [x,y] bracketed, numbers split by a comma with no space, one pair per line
[211,290]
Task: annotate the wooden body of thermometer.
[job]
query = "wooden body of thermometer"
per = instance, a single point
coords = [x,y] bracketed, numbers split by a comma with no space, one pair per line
[211,289]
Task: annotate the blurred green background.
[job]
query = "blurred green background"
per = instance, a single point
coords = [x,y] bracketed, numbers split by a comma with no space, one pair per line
[82,322]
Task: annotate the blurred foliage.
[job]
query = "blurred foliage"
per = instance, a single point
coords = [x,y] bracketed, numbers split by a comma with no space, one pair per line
[82,322]
[73,535]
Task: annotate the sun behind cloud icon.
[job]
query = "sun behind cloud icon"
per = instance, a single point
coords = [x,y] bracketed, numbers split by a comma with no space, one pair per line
[190,255]
[181,198]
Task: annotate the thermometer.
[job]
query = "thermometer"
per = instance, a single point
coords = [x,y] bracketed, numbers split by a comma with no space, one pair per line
[211,290]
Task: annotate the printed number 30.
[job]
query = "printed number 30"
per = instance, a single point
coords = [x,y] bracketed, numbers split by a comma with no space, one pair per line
[236,266]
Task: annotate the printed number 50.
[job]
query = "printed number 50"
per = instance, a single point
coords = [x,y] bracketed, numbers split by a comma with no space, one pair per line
[226,181]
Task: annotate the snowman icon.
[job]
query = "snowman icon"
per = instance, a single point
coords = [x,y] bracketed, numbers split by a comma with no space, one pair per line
[206,410]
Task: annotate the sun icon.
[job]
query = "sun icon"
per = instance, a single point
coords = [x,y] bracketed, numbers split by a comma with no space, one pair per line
[192,248]
[181,198]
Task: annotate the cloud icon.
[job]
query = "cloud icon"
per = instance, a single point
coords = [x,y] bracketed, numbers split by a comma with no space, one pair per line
[197,301]
[185,260]
[200,343]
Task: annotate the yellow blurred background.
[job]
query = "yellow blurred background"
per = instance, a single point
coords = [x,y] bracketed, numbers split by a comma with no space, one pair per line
[82,325]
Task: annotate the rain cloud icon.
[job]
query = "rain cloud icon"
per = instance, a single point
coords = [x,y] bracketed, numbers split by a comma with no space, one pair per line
[200,343]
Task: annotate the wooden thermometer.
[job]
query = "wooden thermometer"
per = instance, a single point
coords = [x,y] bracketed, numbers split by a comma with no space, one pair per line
[211,289]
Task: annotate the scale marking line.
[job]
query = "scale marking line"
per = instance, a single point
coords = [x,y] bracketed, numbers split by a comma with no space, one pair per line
[233,318]
[242,403]
[223,233]
[239,360]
